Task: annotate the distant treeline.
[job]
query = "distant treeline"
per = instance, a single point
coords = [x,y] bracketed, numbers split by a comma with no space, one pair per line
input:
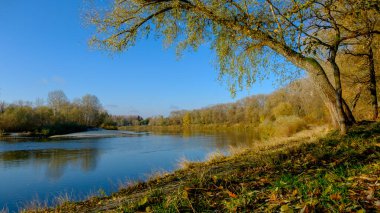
[116,121]
[296,100]
[282,113]
[58,116]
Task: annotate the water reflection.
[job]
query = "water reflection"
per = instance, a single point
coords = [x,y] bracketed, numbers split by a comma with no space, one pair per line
[54,160]
[222,138]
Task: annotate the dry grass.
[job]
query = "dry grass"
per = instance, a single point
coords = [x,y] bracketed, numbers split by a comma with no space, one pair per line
[184,163]
[157,175]
[215,156]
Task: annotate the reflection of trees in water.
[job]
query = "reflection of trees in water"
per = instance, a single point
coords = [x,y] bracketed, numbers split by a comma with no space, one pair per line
[55,159]
[236,138]
[223,137]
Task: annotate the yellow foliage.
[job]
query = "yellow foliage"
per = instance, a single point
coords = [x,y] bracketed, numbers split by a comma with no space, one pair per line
[282,109]
[186,121]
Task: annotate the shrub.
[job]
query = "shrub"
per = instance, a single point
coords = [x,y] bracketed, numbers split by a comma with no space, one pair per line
[266,129]
[282,109]
[288,125]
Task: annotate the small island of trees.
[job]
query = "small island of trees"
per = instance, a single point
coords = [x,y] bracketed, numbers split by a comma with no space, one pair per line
[59,116]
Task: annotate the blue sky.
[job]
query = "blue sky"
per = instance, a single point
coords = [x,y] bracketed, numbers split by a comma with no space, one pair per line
[43,47]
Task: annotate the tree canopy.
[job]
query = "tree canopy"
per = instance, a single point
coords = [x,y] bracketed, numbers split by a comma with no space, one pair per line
[308,33]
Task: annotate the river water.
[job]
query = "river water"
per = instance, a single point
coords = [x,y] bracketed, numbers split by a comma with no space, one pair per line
[42,170]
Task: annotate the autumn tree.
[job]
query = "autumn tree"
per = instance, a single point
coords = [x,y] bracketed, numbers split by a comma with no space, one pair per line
[242,33]
[57,100]
[360,80]
[186,121]
[91,109]
[2,106]
[363,51]
[60,116]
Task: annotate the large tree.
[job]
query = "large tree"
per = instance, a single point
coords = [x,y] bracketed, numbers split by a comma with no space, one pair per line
[243,32]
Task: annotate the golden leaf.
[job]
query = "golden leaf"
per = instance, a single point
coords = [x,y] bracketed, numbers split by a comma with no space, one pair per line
[286,208]
[143,201]
[273,197]
[231,194]
[335,196]
[185,194]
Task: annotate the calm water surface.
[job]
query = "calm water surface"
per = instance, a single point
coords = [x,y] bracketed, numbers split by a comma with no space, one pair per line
[31,170]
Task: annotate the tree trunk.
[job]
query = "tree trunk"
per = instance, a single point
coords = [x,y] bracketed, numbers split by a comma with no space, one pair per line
[341,115]
[334,116]
[347,110]
[372,85]
[340,112]
[355,100]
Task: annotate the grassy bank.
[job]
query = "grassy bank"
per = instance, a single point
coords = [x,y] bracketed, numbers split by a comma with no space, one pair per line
[303,173]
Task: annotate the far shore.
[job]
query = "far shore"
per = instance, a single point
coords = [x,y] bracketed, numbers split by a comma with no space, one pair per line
[91,133]
[99,133]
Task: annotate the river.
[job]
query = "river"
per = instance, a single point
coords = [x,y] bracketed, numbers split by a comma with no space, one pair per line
[41,170]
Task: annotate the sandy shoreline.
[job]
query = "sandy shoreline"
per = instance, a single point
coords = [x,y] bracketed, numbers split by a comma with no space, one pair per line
[99,133]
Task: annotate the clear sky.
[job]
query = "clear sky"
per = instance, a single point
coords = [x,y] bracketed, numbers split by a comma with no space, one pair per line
[43,47]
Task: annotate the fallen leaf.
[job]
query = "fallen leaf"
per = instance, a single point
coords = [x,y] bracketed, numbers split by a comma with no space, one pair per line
[352,192]
[143,201]
[286,208]
[305,209]
[295,192]
[335,196]
[273,197]
[370,193]
[365,177]
[185,194]
[231,194]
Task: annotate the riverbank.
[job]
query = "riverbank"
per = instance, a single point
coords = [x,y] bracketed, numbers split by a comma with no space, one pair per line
[90,133]
[46,132]
[306,173]
[98,133]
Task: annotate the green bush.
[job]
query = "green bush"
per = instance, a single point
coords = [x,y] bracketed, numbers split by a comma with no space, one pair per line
[45,132]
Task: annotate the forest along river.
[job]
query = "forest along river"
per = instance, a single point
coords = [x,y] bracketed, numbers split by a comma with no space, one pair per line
[85,164]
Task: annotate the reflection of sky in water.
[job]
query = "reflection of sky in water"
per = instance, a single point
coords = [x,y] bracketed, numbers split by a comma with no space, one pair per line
[80,166]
